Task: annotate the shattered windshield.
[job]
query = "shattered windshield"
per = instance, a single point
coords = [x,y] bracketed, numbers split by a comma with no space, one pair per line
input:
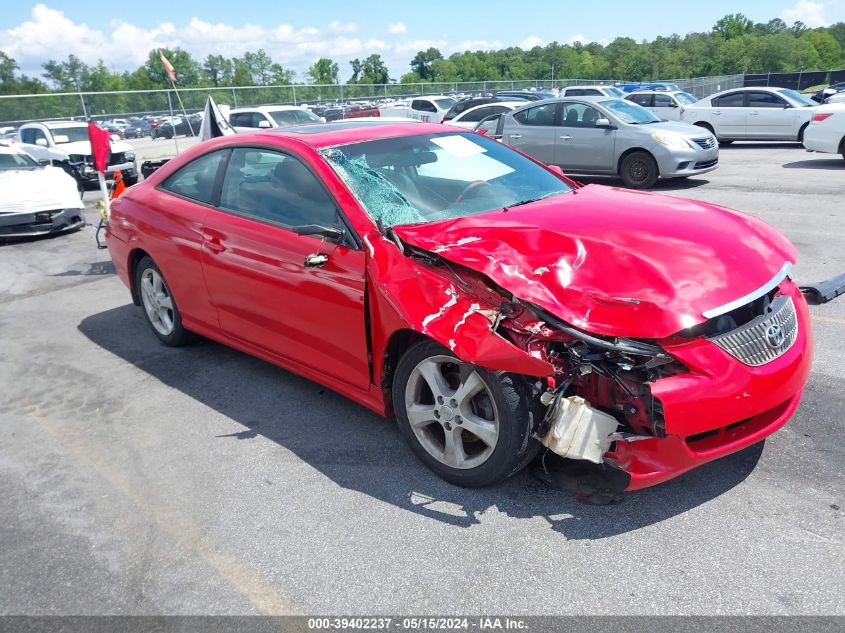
[428,177]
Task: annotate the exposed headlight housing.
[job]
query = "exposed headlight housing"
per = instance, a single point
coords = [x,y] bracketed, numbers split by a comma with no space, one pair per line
[130,156]
[675,141]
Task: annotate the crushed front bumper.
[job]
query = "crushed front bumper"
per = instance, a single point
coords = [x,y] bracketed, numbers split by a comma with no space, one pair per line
[720,407]
[40,222]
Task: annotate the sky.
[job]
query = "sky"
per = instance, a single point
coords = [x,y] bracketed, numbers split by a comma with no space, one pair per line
[297,33]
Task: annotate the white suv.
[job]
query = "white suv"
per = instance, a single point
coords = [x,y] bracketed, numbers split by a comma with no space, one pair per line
[65,144]
[266,117]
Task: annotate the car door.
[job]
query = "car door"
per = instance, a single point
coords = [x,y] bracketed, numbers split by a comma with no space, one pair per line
[265,292]
[175,215]
[728,115]
[533,131]
[29,140]
[424,110]
[666,107]
[579,144]
[769,116]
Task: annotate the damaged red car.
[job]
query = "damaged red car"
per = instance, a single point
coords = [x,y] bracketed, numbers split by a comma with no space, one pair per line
[494,306]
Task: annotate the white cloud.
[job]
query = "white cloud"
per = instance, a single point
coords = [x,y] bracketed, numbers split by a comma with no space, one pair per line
[531,41]
[577,38]
[122,45]
[810,13]
[342,27]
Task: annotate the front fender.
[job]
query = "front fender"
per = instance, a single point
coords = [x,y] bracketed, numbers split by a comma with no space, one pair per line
[404,294]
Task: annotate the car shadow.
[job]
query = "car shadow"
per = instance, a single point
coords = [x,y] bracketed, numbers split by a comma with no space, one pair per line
[737,145]
[671,184]
[361,451]
[833,164]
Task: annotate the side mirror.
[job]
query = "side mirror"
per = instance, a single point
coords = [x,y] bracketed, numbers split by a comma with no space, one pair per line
[329,232]
[556,169]
[605,124]
[264,124]
[45,162]
[41,142]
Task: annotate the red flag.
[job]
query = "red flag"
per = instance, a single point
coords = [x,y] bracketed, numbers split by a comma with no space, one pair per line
[100,145]
[168,67]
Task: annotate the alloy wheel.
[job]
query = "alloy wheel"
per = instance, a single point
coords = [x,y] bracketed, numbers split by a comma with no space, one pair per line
[155,295]
[451,412]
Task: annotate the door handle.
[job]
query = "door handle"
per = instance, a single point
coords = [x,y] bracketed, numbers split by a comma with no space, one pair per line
[315,260]
[565,138]
[213,245]
[717,112]
[514,135]
[753,113]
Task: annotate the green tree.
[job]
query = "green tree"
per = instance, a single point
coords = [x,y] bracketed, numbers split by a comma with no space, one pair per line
[67,75]
[324,71]
[423,62]
[217,70]
[828,49]
[185,67]
[734,25]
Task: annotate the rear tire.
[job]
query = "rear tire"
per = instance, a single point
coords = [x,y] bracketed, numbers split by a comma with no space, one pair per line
[471,426]
[159,305]
[801,133]
[638,170]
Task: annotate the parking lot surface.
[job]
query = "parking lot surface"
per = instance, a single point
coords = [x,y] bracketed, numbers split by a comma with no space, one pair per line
[138,479]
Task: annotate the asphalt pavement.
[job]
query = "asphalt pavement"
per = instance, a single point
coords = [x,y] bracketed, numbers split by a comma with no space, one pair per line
[138,479]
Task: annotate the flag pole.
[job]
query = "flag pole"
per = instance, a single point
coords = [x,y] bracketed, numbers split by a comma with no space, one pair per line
[173,125]
[181,105]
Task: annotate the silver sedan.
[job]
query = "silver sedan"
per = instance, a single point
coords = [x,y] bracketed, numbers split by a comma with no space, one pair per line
[608,136]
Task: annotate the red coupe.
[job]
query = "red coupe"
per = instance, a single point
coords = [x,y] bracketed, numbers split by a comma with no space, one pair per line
[494,306]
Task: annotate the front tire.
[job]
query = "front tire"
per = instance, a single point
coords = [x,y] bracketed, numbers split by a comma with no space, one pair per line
[639,170]
[160,308]
[469,425]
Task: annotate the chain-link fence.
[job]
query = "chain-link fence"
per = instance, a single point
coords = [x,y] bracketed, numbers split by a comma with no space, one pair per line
[18,109]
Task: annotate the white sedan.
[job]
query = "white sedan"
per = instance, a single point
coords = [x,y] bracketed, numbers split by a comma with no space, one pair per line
[753,114]
[826,132]
[468,119]
[36,199]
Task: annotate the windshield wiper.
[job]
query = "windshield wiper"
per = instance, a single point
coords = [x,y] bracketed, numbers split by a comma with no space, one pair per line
[530,200]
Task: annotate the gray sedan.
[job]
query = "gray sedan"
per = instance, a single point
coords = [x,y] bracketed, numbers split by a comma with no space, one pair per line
[607,136]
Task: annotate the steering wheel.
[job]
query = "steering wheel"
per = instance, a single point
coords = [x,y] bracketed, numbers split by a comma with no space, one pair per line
[472,187]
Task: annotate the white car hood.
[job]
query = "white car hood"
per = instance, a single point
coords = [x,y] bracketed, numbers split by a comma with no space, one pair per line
[31,190]
[84,147]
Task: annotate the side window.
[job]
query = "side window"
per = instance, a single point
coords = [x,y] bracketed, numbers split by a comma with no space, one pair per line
[426,106]
[592,92]
[539,115]
[459,107]
[478,114]
[32,134]
[579,115]
[643,100]
[243,119]
[275,188]
[196,179]
[764,100]
[663,101]
[575,92]
[732,100]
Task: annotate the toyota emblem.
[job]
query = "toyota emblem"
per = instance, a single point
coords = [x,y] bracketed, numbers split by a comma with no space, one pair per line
[775,336]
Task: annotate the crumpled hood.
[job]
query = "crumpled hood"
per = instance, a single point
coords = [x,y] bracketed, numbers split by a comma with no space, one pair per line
[613,261]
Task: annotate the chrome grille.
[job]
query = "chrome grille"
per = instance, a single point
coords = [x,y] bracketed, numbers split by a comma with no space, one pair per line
[705,142]
[765,338]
